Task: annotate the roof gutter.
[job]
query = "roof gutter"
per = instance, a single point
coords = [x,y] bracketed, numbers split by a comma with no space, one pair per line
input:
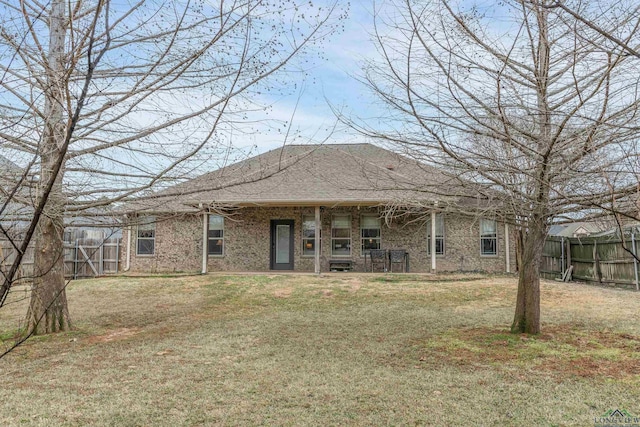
[195,206]
[310,203]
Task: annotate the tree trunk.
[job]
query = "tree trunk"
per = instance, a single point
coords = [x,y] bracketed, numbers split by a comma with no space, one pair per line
[527,315]
[48,310]
[518,249]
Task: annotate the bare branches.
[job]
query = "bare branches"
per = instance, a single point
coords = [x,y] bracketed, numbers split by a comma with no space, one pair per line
[632,15]
[535,89]
[105,100]
[528,104]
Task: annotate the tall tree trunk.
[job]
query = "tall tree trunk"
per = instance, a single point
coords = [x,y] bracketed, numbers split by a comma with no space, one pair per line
[48,311]
[527,315]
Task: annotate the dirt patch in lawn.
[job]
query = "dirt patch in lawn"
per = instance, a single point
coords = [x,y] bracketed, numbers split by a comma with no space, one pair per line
[283,293]
[327,293]
[114,335]
[562,350]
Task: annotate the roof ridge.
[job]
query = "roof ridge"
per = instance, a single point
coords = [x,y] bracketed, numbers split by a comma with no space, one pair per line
[324,145]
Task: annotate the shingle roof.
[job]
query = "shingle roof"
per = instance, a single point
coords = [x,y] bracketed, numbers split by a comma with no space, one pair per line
[330,174]
[7,164]
[568,230]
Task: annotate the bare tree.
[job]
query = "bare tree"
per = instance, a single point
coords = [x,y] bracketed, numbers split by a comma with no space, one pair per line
[627,209]
[521,102]
[106,100]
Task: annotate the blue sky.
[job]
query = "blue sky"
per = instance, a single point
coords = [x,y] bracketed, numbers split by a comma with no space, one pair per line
[334,79]
[330,79]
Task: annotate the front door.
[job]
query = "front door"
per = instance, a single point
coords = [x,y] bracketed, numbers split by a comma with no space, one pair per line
[282,244]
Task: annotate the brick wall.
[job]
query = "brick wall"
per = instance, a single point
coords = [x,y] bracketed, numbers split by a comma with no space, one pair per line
[178,243]
[178,246]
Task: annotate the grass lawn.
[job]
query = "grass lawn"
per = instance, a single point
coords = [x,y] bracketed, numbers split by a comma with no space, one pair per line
[341,349]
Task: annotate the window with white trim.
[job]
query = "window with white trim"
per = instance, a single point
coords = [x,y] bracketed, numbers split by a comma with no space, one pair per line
[488,237]
[216,235]
[309,235]
[439,235]
[341,235]
[369,232]
[146,236]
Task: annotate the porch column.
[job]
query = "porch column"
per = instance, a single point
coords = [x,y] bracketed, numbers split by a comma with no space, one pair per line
[317,241]
[205,241]
[507,255]
[433,241]
[128,260]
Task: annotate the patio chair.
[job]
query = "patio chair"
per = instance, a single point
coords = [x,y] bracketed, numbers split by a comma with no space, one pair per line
[378,256]
[398,256]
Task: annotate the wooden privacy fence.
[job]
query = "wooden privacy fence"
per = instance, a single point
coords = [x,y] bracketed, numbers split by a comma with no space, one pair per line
[601,259]
[82,258]
[90,258]
[8,255]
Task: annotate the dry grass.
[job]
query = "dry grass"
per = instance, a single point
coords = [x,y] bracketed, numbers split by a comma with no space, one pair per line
[341,349]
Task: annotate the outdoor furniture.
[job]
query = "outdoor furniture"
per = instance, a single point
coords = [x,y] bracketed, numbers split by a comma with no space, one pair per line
[376,257]
[340,265]
[398,256]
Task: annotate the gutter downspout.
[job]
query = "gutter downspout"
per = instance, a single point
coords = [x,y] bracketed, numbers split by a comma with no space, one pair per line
[507,255]
[205,240]
[317,240]
[433,241]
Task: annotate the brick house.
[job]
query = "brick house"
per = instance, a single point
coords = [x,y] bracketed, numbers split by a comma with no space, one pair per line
[272,211]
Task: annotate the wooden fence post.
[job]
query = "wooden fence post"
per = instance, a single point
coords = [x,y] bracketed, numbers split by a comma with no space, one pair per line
[101,254]
[596,262]
[75,261]
[569,265]
[562,265]
[117,253]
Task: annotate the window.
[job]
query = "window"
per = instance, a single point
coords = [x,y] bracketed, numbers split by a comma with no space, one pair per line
[146,241]
[439,235]
[369,232]
[309,235]
[488,237]
[216,235]
[341,235]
